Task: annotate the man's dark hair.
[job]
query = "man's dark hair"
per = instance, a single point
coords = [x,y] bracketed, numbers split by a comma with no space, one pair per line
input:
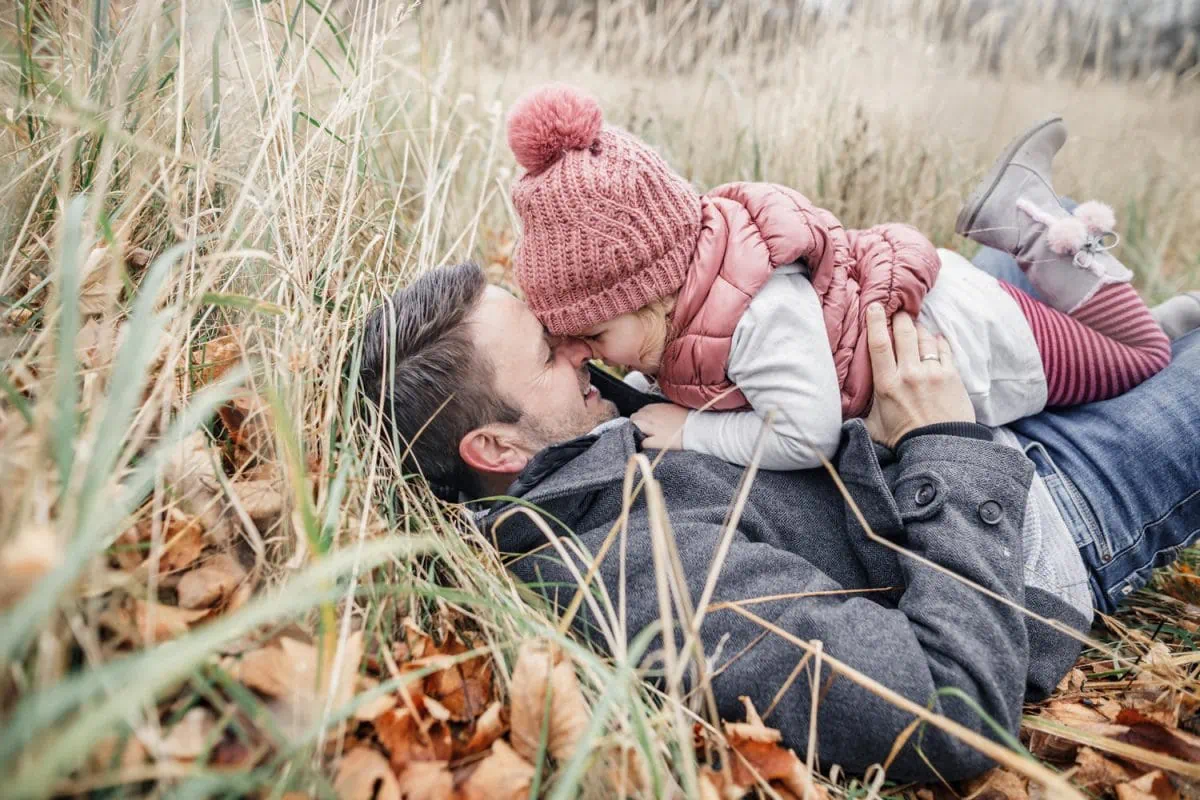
[420,368]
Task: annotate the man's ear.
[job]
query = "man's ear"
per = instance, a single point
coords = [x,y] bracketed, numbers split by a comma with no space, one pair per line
[493,450]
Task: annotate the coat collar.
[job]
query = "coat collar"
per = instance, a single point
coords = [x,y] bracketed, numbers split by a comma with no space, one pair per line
[599,459]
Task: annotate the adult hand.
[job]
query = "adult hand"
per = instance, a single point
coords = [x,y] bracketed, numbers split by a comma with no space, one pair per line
[917,384]
[663,425]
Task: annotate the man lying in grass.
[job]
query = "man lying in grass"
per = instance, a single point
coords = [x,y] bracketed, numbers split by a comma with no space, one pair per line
[1056,514]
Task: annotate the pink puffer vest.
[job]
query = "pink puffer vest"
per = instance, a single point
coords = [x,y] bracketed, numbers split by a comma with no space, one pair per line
[749,229]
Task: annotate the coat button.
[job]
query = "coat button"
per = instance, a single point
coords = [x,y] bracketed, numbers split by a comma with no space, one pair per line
[926,494]
[991,512]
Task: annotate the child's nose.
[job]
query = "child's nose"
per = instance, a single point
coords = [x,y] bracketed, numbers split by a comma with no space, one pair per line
[576,351]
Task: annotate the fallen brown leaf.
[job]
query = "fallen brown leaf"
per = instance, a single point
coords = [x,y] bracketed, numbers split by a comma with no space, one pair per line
[627,771]
[503,775]
[262,499]
[191,475]
[16,317]
[714,786]
[436,710]
[187,739]
[1071,714]
[247,418]
[426,780]
[286,667]
[25,559]
[761,756]
[464,688]
[183,541]
[1147,733]
[99,282]
[210,583]
[1151,786]
[417,643]
[95,344]
[539,669]
[155,622]
[214,358]
[376,707]
[1096,773]
[489,727]
[1073,681]
[409,739]
[997,784]
[364,774]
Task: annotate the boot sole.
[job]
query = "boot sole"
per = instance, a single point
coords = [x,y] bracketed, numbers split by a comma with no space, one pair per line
[985,187]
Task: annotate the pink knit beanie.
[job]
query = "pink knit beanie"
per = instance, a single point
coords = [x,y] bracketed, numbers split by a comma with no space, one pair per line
[608,227]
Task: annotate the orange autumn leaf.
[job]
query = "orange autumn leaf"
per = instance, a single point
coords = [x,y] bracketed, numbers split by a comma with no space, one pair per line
[155,622]
[190,736]
[24,559]
[261,496]
[464,688]
[1151,786]
[210,583]
[998,784]
[489,727]
[247,418]
[289,669]
[364,774]
[759,755]
[1096,773]
[99,282]
[1152,735]
[541,669]
[426,780]
[182,541]
[409,739]
[417,643]
[376,707]
[191,472]
[95,344]
[214,358]
[503,775]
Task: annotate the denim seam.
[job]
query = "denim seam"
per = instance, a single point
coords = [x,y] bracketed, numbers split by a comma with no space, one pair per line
[1084,511]
[1149,563]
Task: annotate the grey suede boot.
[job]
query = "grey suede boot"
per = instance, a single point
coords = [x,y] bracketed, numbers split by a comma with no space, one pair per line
[1178,315]
[1016,209]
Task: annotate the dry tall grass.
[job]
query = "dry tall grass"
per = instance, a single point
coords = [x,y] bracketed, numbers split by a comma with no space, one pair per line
[291,163]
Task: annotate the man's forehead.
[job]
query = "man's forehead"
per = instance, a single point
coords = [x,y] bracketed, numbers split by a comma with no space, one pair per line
[504,323]
[501,308]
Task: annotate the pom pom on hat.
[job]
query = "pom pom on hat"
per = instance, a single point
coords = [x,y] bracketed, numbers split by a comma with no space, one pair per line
[548,122]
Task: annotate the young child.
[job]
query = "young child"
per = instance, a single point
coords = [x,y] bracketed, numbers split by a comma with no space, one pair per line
[750,301]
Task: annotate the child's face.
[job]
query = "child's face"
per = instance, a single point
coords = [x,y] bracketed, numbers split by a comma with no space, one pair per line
[631,340]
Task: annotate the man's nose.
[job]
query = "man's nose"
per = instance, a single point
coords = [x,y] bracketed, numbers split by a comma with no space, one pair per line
[576,351]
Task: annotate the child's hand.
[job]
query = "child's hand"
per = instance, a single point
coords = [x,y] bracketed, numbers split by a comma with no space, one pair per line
[663,425]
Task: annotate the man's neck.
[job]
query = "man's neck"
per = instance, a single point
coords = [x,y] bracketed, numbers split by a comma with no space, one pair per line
[494,484]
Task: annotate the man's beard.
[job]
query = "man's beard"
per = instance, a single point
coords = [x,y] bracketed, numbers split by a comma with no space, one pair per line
[540,433]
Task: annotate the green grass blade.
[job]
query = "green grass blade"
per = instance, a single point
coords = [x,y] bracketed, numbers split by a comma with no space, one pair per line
[66,391]
[129,374]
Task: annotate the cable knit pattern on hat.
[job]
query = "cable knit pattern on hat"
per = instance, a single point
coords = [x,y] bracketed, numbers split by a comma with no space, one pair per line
[607,226]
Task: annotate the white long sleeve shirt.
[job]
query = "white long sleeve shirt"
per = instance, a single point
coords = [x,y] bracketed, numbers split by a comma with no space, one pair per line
[781,361]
